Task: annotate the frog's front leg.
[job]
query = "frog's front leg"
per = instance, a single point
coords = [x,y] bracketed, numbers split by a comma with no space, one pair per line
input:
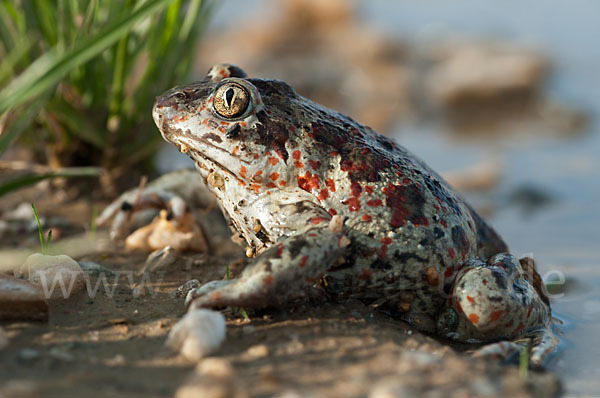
[285,271]
[502,299]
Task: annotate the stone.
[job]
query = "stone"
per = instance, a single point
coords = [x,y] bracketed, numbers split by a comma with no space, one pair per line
[199,333]
[183,234]
[59,276]
[21,300]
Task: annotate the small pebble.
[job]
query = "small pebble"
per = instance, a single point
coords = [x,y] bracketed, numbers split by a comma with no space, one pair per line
[92,268]
[199,333]
[21,300]
[184,289]
[59,276]
[257,351]
[215,367]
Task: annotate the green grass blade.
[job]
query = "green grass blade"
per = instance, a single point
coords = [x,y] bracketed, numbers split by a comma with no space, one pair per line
[32,178]
[48,238]
[78,123]
[37,219]
[23,121]
[35,80]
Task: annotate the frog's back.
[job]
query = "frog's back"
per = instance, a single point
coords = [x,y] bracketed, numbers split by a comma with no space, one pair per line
[406,222]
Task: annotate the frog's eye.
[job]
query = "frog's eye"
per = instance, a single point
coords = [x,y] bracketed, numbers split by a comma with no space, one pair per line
[231,100]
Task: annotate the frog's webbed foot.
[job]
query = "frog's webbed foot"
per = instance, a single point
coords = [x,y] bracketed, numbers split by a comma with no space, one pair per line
[173,192]
[500,300]
[539,344]
[286,271]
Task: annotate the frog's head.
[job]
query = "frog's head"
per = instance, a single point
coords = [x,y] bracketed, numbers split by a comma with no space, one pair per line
[248,138]
[237,130]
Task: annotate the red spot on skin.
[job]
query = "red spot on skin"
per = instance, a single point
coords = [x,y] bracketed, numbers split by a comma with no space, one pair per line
[346,165]
[303,261]
[256,188]
[243,124]
[374,202]
[243,171]
[494,316]
[255,156]
[235,150]
[444,223]
[474,318]
[519,328]
[324,194]
[333,212]
[334,153]
[317,220]
[292,129]
[383,251]
[355,188]
[459,307]
[406,181]
[282,182]
[273,160]
[312,235]
[274,176]
[386,241]
[484,282]
[330,184]
[280,153]
[298,164]
[308,181]
[471,300]
[369,189]
[451,252]
[258,173]
[268,279]
[449,272]
[314,164]
[242,183]
[365,151]
[367,218]
[365,274]
[421,221]
[353,204]
[296,154]
[280,248]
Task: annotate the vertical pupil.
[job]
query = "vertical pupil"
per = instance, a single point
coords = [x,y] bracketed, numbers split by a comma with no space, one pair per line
[229,97]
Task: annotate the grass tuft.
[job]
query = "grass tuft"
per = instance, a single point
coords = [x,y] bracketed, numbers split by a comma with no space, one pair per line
[80,76]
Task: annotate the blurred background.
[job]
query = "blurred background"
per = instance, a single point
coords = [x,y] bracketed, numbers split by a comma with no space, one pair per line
[501,98]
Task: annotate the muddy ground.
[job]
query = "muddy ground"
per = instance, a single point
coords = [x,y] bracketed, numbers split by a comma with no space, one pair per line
[113,344]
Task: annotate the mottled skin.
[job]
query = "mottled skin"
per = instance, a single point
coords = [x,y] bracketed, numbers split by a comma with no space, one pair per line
[323,200]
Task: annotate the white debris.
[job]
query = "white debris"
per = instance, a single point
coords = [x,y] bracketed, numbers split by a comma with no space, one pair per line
[59,276]
[199,333]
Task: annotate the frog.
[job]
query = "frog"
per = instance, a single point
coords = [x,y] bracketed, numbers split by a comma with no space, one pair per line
[326,205]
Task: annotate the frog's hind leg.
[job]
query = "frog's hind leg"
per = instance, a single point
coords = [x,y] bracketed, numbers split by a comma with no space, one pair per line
[285,271]
[499,300]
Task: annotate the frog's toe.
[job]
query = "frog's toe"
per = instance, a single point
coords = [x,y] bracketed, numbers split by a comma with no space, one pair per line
[539,345]
[208,295]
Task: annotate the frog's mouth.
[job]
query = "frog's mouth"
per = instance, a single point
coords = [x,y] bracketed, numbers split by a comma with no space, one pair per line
[197,148]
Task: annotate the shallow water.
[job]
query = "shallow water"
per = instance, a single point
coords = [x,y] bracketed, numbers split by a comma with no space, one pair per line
[563,235]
